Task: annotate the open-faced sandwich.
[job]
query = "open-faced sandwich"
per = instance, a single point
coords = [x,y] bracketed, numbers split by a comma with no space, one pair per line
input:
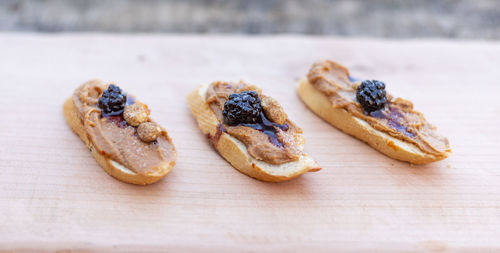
[117,129]
[365,111]
[250,130]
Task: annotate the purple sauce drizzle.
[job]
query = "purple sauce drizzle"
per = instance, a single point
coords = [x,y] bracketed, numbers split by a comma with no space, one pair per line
[268,128]
[353,79]
[130,100]
[393,121]
[118,120]
[220,130]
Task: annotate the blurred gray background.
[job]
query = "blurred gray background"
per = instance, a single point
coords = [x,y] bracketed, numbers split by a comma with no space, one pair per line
[473,19]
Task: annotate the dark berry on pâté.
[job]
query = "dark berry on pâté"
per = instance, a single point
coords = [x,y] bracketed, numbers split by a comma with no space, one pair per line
[112,102]
[371,95]
[242,108]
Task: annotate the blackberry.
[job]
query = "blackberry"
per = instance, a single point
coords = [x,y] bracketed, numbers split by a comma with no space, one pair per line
[242,108]
[112,102]
[371,95]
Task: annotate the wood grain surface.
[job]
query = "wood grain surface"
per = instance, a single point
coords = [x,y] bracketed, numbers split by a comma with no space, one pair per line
[54,196]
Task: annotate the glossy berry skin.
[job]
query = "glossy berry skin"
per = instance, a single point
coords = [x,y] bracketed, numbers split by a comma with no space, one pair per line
[371,95]
[112,102]
[242,108]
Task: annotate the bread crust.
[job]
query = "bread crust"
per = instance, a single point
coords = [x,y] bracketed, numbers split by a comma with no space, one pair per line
[360,129]
[112,167]
[235,152]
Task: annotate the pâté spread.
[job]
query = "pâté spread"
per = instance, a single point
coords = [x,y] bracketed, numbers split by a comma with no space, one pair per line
[126,135]
[269,136]
[396,118]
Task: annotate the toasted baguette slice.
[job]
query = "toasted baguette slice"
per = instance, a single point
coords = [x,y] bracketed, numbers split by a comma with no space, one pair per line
[235,152]
[360,129]
[112,167]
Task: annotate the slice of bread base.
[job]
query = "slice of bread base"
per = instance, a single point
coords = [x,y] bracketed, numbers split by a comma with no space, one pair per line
[360,129]
[113,168]
[235,151]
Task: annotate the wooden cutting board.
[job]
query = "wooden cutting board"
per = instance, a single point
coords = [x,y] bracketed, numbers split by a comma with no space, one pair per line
[54,196]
